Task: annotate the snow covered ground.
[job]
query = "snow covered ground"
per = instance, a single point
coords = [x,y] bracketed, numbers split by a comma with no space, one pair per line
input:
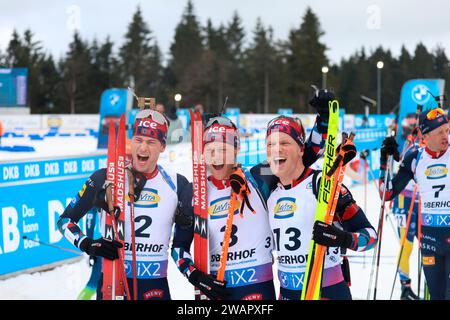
[65,282]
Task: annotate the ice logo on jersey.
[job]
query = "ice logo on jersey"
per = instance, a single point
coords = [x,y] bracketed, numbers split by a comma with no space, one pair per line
[148,198]
[420,94]
[436,171]
[285,208]
[219,208]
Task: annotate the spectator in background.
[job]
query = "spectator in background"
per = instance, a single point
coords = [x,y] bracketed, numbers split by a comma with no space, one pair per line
[199,107]
[160,108]
[175,131]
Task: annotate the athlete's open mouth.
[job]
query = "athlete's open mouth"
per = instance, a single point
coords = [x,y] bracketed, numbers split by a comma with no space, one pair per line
[142,158]
[279,160]
[218,166]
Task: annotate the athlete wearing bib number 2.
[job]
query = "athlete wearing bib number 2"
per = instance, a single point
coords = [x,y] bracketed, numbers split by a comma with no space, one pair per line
[157,195]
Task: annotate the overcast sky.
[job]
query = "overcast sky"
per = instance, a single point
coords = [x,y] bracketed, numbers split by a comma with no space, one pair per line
[348,25]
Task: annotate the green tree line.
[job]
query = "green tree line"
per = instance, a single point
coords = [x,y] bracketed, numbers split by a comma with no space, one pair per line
[207,63]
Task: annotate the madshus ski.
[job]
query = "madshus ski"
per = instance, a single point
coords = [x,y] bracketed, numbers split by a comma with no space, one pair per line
[199,183]
[115,286]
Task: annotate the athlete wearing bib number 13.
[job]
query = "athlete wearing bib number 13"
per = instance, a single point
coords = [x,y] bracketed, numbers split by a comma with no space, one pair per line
[248,270]
[292,208]
[429,167]
[156,199]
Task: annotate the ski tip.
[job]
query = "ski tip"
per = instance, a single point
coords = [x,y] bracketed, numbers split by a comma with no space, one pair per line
[334,106]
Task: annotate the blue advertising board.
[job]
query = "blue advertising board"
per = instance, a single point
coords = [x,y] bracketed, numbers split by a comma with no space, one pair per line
[285,111]
[414,92]
[13,87]
[32,196]
[113,103]
[233,115]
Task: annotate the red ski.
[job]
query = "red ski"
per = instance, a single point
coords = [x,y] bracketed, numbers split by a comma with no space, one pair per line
[199,179]
[115,285]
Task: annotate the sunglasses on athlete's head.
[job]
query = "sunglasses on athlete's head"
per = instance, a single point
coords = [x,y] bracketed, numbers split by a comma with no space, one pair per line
[221,121]
[433,114]
[154,115]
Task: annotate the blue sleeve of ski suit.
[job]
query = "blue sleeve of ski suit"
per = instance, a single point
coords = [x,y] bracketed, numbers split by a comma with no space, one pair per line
[314,147]
[79,206]
[353,220]
[401,179]
[184,232]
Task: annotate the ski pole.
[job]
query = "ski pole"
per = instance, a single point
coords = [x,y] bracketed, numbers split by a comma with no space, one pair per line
[226,238]
[419,236]
[53,246]
[121,263]
[133,237]
[402,245]
[388,216]
[365,164]
[376,255]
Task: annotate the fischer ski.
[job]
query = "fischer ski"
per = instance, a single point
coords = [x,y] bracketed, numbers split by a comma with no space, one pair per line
[324,193]
[337,171]
[199,183]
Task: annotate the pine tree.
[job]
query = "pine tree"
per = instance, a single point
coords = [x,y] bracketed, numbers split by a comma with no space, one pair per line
[234,36]
[261,57]
[305,59]
[78,90]
[27,53]
[422,63]
[140,57]
[184,68]
[47,99]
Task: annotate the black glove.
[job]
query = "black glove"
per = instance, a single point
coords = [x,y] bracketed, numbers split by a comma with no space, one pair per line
[364,154]
[139,180]
[208,285]
[101,248]
[182,220]
[320,102]
[240,187]
[331,236]
[349,152]
[389,147]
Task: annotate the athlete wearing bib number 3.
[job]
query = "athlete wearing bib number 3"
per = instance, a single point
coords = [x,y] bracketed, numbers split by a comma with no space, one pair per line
[248,272]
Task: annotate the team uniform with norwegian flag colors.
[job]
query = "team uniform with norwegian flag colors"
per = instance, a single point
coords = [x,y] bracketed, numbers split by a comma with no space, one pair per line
[237,217]
[291,211]
[151,201]
[429,167]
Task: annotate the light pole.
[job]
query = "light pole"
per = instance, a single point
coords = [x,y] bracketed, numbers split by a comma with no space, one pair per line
[380,66]
[324,77]
[177,98]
